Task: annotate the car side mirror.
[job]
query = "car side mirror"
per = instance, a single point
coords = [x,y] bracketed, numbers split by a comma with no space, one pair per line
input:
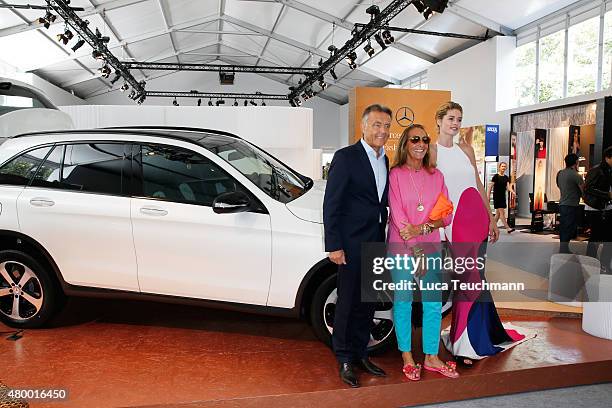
[232,202]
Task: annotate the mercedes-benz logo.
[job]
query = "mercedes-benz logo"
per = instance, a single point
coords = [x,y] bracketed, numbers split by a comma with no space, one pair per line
[404,116]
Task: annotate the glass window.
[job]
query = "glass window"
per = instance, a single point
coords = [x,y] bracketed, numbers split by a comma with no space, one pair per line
[20,170]
[180,175]
[267,173]
[607,55]
[582,57]
[95,168]
[525,62]
[48,175]
[552,57]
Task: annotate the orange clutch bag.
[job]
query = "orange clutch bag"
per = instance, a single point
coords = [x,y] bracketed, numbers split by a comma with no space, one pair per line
[442,208]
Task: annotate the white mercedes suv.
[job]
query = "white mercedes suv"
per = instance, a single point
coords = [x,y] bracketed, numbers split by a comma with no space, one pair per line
[167,214]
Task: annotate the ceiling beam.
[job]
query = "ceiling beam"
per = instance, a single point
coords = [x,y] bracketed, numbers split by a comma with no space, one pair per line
[221,14]
[278,18]
[476,18]
[162,9]
[558,14]
[304,8]
[34,25]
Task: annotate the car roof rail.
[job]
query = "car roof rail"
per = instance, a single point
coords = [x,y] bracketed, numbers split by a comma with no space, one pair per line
[174,128]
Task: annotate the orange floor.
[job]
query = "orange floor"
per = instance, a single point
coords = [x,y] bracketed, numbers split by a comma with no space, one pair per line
[132,354]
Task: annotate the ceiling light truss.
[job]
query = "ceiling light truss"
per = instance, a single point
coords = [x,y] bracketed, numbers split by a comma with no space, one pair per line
[433,33]
[215,95]
[379,20]
[168,66]
[100,49]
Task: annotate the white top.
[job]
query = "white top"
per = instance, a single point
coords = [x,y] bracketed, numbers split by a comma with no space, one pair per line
[458,175]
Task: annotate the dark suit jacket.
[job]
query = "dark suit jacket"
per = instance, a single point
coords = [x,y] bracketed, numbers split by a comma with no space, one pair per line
[352,213]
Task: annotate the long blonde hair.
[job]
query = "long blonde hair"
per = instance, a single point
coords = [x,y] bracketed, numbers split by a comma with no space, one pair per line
[401,154]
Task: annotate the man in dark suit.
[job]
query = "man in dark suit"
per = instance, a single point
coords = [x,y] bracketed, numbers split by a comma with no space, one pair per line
[355,212]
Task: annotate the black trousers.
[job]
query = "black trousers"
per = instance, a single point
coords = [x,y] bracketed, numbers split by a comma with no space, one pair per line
[601,234]
[353,318]
[568,228]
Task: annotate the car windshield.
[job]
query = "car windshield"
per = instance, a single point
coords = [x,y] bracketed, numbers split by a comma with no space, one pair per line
[14,97]
[270,175]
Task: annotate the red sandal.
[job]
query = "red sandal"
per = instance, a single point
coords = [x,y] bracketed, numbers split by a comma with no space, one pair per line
[448,370]
[413,373]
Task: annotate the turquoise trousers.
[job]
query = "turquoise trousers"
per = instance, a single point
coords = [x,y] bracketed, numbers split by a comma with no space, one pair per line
[432,307]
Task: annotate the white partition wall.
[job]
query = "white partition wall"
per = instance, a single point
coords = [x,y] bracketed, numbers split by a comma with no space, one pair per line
[285,132]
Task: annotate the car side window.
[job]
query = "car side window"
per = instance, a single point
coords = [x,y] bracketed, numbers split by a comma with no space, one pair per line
[94,167]
[20,170]
[180,175]
[48,174]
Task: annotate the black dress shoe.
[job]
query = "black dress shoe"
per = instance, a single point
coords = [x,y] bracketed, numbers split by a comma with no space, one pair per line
[347,375]
[368,366]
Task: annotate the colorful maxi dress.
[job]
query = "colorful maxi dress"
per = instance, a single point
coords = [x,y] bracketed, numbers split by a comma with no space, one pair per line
[476,330]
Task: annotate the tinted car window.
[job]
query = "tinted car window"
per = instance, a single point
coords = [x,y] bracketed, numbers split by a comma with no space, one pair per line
[22,168]
[94,167]
[180,175]
[48,175]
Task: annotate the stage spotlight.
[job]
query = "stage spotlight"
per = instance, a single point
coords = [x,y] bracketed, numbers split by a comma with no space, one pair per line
[380,41]
[322,83]
[436,5]
[68,34]
[132,94]
[332,49]
[116,78]
[246,103]
[78,44]
[299,103]
[235,102]
[200,102]
[220,102]
[125,87]
[101,38]
[333,74]
[386,35]
[263,103]
[62,38]
[427,13]
[175,102]
[321,62]
[47,19]
[419,6]
[252,102]
[142,99]
[292,103]
[104,71]
[210,102]
[373,10]
[97,55]
[368,49]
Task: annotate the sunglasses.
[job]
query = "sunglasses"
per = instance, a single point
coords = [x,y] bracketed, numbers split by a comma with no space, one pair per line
[417,139]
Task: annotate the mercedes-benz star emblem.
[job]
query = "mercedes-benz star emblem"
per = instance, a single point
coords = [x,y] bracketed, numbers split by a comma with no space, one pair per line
[404,116]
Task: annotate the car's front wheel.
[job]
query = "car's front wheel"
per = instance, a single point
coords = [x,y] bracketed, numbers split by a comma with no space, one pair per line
[322,311]
[28,296]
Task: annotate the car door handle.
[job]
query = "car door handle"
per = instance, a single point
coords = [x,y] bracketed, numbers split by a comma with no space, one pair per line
[157,212]
[42,202]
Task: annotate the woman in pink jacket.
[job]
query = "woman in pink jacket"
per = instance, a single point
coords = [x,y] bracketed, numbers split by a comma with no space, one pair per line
[416,195]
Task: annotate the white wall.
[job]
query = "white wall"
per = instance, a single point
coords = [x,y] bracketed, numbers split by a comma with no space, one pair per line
[284,132]
[325,113]
[57,95]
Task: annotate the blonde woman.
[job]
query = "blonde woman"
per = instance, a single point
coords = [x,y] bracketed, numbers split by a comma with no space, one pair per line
[476,330]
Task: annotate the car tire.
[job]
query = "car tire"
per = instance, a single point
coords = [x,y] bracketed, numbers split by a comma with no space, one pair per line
[28,286]
[322,311]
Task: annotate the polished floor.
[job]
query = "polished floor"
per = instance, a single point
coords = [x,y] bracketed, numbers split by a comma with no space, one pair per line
[133,354]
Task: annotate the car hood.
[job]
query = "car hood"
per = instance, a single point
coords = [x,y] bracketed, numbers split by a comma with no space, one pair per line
[33,120]
[309,207]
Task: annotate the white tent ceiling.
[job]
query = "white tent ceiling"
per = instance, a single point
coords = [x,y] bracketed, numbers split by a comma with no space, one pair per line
[250,32]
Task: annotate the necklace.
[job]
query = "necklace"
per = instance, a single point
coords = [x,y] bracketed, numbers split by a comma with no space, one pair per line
[420,207]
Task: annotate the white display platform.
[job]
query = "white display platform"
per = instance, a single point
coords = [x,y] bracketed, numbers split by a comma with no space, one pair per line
[284,132]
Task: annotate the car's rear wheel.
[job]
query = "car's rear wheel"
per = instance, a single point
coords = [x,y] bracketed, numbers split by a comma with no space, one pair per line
[28,295]
[322,311]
